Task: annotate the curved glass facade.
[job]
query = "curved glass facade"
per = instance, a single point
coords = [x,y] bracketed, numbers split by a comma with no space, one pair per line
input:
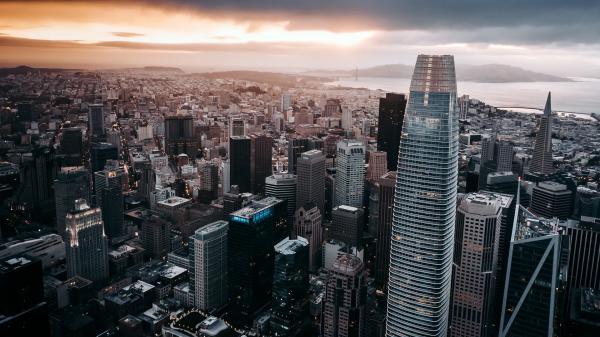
[425,203]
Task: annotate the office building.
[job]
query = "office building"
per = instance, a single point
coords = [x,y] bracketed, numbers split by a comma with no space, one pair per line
[109,185]
[296,146]
[389,128]
[332,108]
[311,179]
[377,165]
[71,183]
[541,162]
[262,162]
[208,172]
[346,118]
[286,101]
[551,199]
[100,153]
[253,232]
[96,120]
[425,204]
[347,225]
[476,242]
[290,287]
[384,189]
[208,266]
[237,126]
[240,163]
[584,266]
[86,243]
[283,186]
[344,312]
[587,205]
[37,174]
[308,223]
[71,146]
[532,276]
[23,311]
[179,136]
[350,173]
[156,236]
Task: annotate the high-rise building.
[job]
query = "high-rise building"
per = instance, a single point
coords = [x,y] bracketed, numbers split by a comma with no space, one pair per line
[425,204]
[587,205]
[208,264]
[311,179]
[109,184]
[308,224]
[240,163]
[290,287]
[283,186]
[296,146]
[332,108]
[377,165]
[23,311]
[71,146]
[389,127]
[350,173]
[262,161]
[237,126]
[346,225]
[503,155]
[551,199]
[344,305]
[346,118]
[96,120]
[286,101]
[100,153]
[37,174]
[156,236]
[71,183]
[384,188]
[208,171]
[476,242]
[541,162]
[532,276]
[179,136]
[86,243]
[253,232]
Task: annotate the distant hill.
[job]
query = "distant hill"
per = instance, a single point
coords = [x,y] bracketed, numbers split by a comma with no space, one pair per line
[21,70]
[163,69]
[489,73]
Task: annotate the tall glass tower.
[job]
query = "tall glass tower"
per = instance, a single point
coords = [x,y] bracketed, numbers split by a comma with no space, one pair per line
[425,204]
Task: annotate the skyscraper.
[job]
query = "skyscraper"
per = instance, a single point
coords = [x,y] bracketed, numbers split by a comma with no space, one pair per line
[290,287]
[240,163]
[283,186]
[71,183]
[208,171]
[71,147]
[109,184]
[350,173]
[532,277]
[425,204]
[296,146]
[208,258]
[389,127]
[476,243]
[100,153]
[551,199]
[308,224]
[179,135]
[346,225]
[156,236]
[311,179]
[344,312]
[384,187]
[377,165]
[237,126]
[286,101]
[253,232]
[86,243]
[96,120]
[541,162]
[262,161]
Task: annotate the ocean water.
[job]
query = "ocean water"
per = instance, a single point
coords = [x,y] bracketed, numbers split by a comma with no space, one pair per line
[580,96]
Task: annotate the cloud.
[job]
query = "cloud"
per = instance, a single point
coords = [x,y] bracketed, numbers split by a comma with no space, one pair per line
[127,34]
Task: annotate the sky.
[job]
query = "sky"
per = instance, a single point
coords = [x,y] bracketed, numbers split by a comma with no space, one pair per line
[553,36]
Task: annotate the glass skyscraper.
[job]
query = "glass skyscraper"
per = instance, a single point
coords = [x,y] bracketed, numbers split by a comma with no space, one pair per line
[425,203]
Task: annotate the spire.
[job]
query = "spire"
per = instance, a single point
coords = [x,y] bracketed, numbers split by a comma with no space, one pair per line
[548,107]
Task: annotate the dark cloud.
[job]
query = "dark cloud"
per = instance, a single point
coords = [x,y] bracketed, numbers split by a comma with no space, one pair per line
[126,34]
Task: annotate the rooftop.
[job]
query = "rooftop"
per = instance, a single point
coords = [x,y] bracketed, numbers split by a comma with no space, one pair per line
[289,246]
[174,201]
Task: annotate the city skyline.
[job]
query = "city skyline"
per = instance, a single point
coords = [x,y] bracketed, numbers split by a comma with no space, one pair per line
[213,35]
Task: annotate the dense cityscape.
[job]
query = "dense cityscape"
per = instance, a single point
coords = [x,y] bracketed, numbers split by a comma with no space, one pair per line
[144,202]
